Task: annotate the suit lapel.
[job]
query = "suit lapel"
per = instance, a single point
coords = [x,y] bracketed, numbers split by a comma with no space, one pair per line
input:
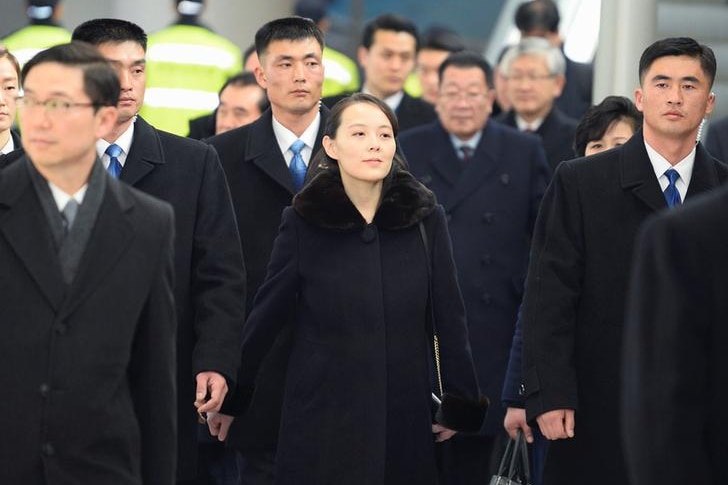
[638,175]
[445,162]
[25,227]
[144,155]
[705,176]
[482,165]
[109,239]
[262,149]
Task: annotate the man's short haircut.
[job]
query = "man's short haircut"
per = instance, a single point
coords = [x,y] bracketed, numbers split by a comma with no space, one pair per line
[441,39]
[535,46]
[466,59]
[247,78]
[114,31]
[538,16]
[390,22]
[100,81]
[287,28]
[679,46]
[597,120]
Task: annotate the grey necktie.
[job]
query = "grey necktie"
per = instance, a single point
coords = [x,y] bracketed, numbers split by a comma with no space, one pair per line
[69,215]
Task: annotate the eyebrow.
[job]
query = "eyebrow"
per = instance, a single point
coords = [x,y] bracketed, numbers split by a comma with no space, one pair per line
[356,125]
[663,77]
[137,62]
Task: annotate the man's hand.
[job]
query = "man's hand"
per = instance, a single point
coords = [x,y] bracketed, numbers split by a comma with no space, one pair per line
[557,424]
[219,424]
[211,391]
[516,419]
[442,433]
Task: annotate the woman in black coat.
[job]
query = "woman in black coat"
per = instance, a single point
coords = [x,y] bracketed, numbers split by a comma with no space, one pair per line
[350,258]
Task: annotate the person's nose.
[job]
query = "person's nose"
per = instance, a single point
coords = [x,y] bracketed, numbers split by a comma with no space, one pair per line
[675,95]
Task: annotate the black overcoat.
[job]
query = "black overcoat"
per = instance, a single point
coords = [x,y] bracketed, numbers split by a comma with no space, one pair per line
[675,372]
[209,270]
[573,312]
[491,203]
[261,187]
[89,369]
[357,406]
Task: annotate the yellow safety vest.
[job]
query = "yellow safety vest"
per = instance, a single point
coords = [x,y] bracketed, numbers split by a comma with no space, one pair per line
[186,67]
[28,41]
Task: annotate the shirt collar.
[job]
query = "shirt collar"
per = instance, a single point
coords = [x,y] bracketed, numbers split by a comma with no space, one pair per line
[523,125]
[660,164]
[286,137]
[391,101]
[61,198]
[471,142]
[124,142]
[9,146]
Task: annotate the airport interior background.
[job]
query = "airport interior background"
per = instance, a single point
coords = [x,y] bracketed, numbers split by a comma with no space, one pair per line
[612,33]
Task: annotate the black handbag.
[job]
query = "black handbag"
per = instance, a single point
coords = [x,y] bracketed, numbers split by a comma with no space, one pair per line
[450,410]
[514,469]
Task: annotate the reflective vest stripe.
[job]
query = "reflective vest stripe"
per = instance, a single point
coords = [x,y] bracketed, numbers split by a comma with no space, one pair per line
[188,99]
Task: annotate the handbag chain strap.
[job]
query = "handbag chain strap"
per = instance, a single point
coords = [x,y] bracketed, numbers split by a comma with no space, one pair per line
[431,312]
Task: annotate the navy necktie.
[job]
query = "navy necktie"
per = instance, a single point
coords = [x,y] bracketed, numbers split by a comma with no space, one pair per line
[467,152]
[672,196]
[297,167]
[114,168]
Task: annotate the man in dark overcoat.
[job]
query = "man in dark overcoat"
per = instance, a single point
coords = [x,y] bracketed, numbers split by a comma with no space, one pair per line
[257,160]
[87,354]
[490,178]
[209,271]
[573,312]
[675,372]
[387,56]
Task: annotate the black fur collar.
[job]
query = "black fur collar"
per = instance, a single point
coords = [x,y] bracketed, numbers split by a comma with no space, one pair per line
[323,202]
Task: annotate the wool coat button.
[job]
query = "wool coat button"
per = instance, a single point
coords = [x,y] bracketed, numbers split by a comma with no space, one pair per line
[487,299]
[488,218]
[486,259]
[44,389]
[48,449]
[61,328]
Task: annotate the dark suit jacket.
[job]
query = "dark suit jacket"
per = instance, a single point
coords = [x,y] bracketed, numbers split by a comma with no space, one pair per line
[89,367]
[676,348]
[576,96]
[491,205]
[411,111]
[573,311]
[557,132]
[261,187]
[9,158]
[209,271]
[716,141]
[203,127]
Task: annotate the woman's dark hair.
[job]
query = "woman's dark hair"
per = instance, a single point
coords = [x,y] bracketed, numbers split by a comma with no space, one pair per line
[5,54]
[322,161]
[597,120]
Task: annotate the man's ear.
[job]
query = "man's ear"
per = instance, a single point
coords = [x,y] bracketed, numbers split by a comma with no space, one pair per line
[106,117]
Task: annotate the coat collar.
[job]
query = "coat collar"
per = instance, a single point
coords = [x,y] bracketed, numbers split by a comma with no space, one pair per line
[145,152]
[25,227]
[638,175]
[323,202]
[263,151]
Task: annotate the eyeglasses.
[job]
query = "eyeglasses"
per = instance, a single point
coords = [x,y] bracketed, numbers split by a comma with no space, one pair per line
[52,106]
[531,77]
[470,97]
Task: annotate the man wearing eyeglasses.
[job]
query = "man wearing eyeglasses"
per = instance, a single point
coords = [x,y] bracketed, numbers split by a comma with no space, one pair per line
[534,71]
[490,178]
[87,355]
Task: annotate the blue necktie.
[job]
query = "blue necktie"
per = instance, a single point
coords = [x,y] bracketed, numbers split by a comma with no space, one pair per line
[466,152]
[297,167]
[672,196]
[114,168]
